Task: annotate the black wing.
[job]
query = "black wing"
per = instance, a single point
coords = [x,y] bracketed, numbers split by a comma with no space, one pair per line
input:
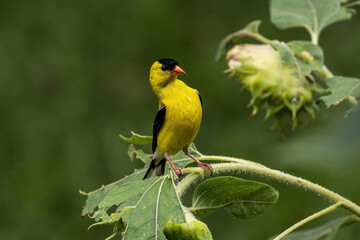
[158,122]
[199,97]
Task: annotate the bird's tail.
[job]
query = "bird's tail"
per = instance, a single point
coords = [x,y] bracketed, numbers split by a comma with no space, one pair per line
[155,169]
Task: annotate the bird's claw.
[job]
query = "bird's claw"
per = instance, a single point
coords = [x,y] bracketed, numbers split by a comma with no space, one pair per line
[177,171]
[205,166]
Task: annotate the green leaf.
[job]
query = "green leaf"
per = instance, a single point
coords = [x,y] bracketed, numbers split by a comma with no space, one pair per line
[288,57]
[149,201]
[302,56]
[308,56]
[241,198]
[96,197]
[139,154]
[341,87]
[113,219]
[116,219]
[137,138]
[251,30]
[125,190]
[326,231]
[313,15]
[158,204]
[134,197]
[286,54]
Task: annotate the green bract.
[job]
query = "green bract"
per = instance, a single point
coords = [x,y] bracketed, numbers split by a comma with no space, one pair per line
[281,88]
[193,229]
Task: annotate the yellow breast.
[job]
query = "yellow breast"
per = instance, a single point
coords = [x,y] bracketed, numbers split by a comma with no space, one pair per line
[182,119]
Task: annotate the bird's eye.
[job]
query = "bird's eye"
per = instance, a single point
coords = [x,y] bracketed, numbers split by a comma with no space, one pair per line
[164,68]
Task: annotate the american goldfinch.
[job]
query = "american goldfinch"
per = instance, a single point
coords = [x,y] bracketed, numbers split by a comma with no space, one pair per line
[178,119]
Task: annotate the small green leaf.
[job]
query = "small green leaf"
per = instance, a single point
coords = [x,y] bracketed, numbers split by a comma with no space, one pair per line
[116,219]
[251,30]
[137,138]
[286,54]
[313,15]
[326,231]
[113,219]
[241,198]
[341,87]
[139,154]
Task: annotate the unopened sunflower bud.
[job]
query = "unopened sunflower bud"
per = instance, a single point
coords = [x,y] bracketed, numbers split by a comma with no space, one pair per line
[273,84]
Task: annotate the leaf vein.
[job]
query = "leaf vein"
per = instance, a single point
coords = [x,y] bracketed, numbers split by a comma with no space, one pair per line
[315,16]
[157,209]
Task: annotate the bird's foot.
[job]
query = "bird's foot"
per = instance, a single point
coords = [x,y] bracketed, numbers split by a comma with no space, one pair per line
[200,164]
[177,171]
[205,166]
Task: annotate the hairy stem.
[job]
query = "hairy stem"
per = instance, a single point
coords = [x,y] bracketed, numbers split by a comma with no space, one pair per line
[308,219]
[251,167]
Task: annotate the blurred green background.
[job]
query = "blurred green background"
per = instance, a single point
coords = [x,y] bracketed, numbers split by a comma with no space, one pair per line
[74,74]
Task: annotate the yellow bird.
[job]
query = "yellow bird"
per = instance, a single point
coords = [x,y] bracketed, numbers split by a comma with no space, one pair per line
[178,119]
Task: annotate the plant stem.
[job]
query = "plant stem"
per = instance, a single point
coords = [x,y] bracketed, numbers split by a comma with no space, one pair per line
[314,36]
[260,38]
[308,219]
[251,167]
[186,182]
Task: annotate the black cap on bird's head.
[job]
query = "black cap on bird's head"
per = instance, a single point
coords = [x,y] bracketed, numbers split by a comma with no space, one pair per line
[171,65]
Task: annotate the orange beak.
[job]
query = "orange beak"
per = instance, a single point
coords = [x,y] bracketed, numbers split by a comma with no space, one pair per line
[177,71]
